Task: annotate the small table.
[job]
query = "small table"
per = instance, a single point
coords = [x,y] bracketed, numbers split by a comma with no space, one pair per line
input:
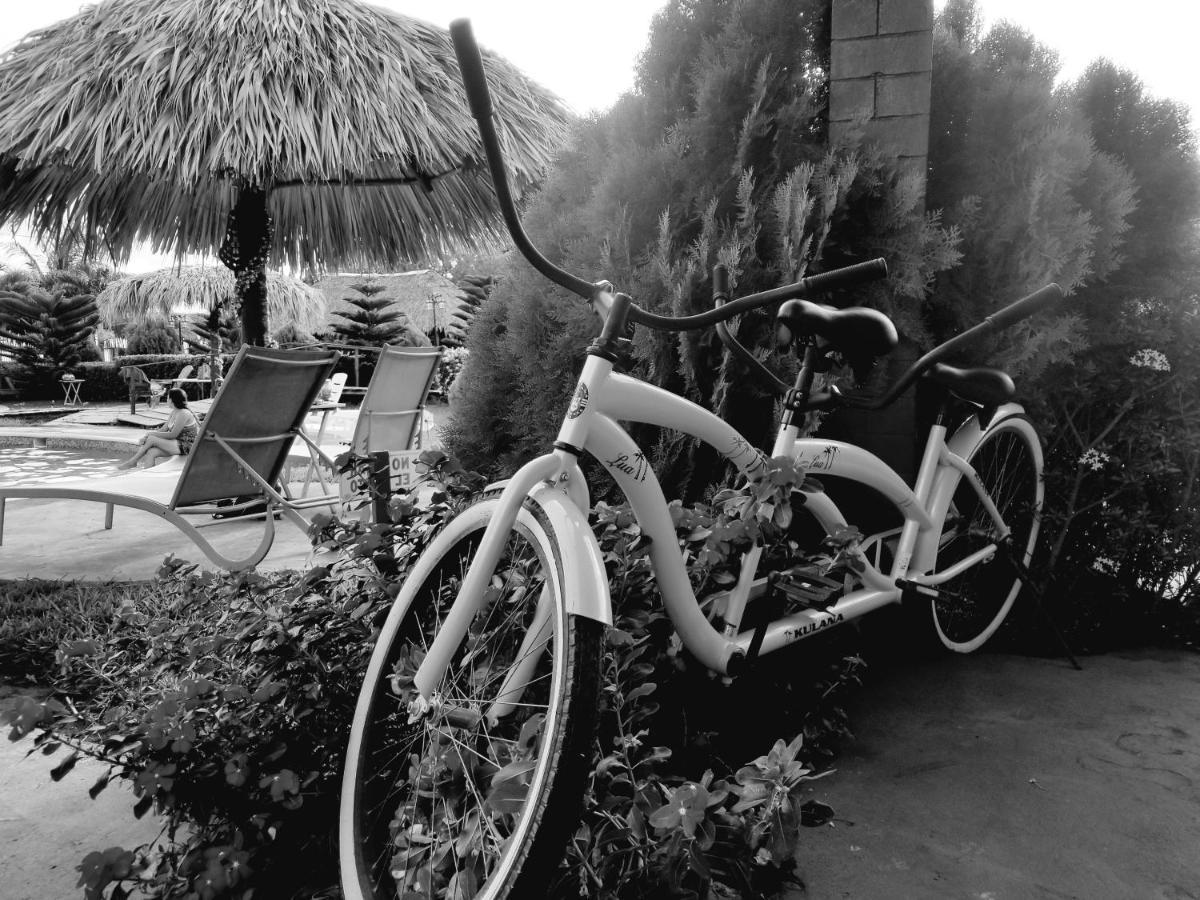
[71,391]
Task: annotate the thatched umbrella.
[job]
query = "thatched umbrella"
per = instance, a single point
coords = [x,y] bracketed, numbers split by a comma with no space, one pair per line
[157,296]
[305,132]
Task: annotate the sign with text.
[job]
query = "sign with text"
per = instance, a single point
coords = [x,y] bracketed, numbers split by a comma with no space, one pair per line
[402,468]
[386,472]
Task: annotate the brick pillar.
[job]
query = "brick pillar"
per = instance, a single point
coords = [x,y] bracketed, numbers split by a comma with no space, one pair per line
[881,60]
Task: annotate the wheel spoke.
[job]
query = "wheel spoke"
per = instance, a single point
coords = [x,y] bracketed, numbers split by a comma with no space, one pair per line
[974,604]
[421,804]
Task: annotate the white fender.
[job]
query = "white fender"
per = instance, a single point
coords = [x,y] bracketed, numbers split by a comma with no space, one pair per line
[961,443]
[584,578]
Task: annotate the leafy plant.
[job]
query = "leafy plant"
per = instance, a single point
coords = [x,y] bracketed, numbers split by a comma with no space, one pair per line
[225,700]
[449,367]
[151,338]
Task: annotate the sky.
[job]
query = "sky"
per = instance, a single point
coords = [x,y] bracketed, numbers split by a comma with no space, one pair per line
[586,51]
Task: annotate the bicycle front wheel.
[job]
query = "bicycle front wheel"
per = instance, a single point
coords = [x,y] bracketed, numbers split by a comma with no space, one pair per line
[473,793]
[1008,460]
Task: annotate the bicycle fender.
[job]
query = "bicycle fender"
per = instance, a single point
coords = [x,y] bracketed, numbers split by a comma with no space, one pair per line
[585,580]
[964,439]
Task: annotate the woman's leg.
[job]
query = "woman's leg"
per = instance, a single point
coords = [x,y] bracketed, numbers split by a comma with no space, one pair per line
[152,443]
[137,454]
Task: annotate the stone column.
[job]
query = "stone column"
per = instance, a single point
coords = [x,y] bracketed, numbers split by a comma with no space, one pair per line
[881,59]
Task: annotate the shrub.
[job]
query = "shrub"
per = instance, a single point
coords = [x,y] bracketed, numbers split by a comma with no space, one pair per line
[226,701]
[1122,521]
[449,366]
[151,338]
[289,336]
[38,617]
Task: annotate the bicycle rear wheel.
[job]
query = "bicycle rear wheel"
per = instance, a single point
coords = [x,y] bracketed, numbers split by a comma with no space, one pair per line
[1008,460]
[455,803]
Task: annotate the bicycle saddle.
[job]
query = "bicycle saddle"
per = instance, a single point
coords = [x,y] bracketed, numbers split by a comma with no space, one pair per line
[988,387]
[857,330]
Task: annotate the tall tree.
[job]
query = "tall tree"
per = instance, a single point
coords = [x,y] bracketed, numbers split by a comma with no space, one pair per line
[719,154]
[1153,138]
[372,320]
[50,332]
[1015,169]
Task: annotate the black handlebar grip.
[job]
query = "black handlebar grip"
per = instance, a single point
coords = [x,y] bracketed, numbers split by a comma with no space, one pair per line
[871,270]
[720,279]
[1025,307]
[471,63]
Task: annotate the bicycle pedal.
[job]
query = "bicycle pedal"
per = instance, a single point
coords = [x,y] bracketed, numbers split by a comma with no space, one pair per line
[923,593]
[806,588]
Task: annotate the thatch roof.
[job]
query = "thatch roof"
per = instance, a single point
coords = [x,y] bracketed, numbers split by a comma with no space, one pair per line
[195,289]
[140,120]
[410,291]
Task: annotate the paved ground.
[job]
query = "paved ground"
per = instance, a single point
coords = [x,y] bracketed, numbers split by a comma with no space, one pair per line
[996,777]
[975,778]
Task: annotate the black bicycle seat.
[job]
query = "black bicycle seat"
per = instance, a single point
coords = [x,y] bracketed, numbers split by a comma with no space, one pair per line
[858,331]
[987,387]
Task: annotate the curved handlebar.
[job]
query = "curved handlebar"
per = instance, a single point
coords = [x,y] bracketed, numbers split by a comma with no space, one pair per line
[826,281]
[480,99]
[1014,312]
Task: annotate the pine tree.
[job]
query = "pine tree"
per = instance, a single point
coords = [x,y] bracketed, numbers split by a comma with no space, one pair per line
[50,333]
[374,320]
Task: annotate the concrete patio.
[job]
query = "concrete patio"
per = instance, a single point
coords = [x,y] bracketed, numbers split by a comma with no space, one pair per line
[66,539]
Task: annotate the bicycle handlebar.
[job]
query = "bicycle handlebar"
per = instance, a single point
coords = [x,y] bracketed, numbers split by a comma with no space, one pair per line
[1014,312]
[826,281]
[470,61]
[480,99]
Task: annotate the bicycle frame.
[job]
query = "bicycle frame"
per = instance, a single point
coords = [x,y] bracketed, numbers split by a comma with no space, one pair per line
[602,397]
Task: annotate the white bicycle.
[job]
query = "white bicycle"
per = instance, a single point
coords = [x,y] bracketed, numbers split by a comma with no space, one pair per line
[469,749]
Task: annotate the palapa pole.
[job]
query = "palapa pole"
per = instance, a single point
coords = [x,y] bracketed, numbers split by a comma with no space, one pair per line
[244,251]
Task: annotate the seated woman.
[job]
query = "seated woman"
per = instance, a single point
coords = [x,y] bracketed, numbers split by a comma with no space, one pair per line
[173,438]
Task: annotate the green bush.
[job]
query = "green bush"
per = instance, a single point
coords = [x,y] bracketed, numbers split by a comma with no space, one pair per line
[38,617]
[226,699]
[152,338]
[1122,522]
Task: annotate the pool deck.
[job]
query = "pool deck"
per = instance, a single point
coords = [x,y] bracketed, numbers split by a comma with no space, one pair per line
[66,539]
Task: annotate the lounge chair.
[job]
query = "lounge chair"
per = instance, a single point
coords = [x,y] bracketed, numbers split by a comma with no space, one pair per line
[391,417]
[392,412]
[239,453]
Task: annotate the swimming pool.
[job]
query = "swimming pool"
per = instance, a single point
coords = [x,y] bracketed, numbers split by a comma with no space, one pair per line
[27,465]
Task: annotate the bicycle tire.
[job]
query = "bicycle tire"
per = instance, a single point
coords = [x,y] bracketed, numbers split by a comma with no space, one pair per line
[393,840]
[1008,460]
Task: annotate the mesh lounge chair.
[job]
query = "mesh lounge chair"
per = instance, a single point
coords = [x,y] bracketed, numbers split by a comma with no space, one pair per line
[239,452]
[393,409]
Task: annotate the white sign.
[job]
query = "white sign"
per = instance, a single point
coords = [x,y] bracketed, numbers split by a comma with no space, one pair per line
[354,488]
[402,468]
